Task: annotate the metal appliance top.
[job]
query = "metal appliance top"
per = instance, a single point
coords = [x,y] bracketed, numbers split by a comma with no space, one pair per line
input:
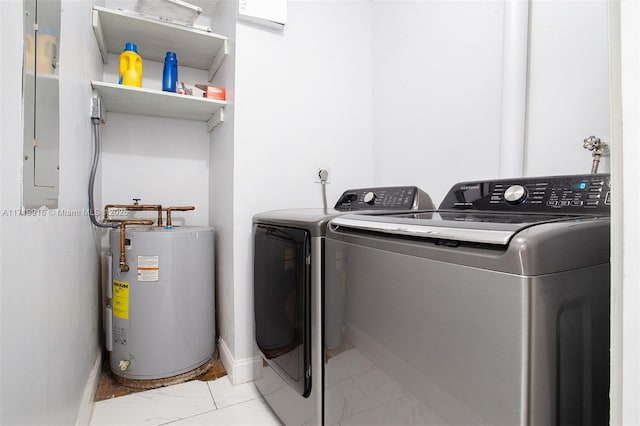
[492,212]
[379,199]
[384,198]
[572,194]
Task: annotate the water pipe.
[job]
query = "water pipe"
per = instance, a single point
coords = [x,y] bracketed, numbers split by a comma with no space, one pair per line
[514,87]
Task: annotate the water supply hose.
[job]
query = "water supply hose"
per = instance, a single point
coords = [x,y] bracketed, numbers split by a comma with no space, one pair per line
[92,177]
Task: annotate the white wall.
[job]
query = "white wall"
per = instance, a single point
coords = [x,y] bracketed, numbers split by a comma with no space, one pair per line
[568,85]
[437,89]
[221,186]
[303,101]
[160,161]
[626,232]
[48,264]
[438,85]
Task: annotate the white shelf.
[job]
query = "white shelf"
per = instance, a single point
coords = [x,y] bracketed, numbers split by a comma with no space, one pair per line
[195,48]
[155,103]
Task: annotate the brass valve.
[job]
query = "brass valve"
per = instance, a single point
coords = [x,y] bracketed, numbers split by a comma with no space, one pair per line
[597,147]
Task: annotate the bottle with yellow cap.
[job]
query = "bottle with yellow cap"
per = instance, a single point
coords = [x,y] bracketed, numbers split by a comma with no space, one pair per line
[130,66]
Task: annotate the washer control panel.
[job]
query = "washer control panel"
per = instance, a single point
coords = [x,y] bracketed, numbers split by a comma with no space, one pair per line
[384,198]
[558,194]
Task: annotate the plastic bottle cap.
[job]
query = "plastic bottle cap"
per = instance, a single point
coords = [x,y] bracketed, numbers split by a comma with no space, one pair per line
[171,55]
[131,46]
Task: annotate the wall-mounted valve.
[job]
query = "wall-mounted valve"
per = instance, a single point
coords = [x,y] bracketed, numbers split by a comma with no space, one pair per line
[597,147]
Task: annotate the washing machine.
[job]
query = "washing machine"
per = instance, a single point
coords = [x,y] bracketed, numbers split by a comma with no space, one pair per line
[287,284]
[491,310]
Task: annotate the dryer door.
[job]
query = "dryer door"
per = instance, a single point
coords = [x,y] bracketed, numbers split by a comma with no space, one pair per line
[281,286]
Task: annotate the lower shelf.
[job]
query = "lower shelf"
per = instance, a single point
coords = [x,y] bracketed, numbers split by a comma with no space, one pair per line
[155,103]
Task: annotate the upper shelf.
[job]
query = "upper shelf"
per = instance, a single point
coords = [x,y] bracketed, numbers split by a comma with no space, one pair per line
[140,101]
[195,48]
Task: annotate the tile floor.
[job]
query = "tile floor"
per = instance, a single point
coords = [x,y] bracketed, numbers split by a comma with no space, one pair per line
[214,402]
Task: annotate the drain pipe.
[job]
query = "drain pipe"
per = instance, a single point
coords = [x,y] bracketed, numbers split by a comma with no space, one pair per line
[323,174]
[514,87]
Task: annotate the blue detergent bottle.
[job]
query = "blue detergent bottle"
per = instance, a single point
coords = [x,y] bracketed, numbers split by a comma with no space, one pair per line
[170,73]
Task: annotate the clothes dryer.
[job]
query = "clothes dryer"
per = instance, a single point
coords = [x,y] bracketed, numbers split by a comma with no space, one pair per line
[288,288]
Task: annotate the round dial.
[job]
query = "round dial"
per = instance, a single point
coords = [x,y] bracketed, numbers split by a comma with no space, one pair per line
[515,194]
[370,198]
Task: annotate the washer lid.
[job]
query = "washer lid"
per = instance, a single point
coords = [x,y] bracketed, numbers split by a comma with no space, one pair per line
[464,226]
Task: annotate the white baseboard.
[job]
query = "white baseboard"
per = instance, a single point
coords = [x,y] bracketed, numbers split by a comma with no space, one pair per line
[239,370]
[88,396]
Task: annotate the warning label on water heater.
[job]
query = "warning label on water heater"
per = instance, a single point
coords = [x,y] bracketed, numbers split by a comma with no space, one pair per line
[148,269]
[121,299]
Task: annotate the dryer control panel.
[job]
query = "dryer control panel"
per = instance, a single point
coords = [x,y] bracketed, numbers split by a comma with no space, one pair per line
[558,194]
[384,198]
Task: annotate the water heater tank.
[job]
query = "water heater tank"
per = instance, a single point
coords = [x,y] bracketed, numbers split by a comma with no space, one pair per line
[162,311]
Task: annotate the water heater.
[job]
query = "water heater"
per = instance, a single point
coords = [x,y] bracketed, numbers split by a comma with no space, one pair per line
[160,318]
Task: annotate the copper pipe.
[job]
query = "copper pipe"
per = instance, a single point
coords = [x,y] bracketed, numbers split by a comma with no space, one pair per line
[176,209]
[135,221]
[123,224]
[134,207]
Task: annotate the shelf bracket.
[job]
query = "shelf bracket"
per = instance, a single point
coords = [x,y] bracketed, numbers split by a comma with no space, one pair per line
[219,59]
[97,31]
[216,119]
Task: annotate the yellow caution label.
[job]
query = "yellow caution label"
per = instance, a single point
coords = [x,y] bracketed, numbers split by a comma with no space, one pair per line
[121,299]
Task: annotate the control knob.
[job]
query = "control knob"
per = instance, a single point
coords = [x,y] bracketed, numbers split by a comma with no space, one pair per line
[515,194]
[370,198]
